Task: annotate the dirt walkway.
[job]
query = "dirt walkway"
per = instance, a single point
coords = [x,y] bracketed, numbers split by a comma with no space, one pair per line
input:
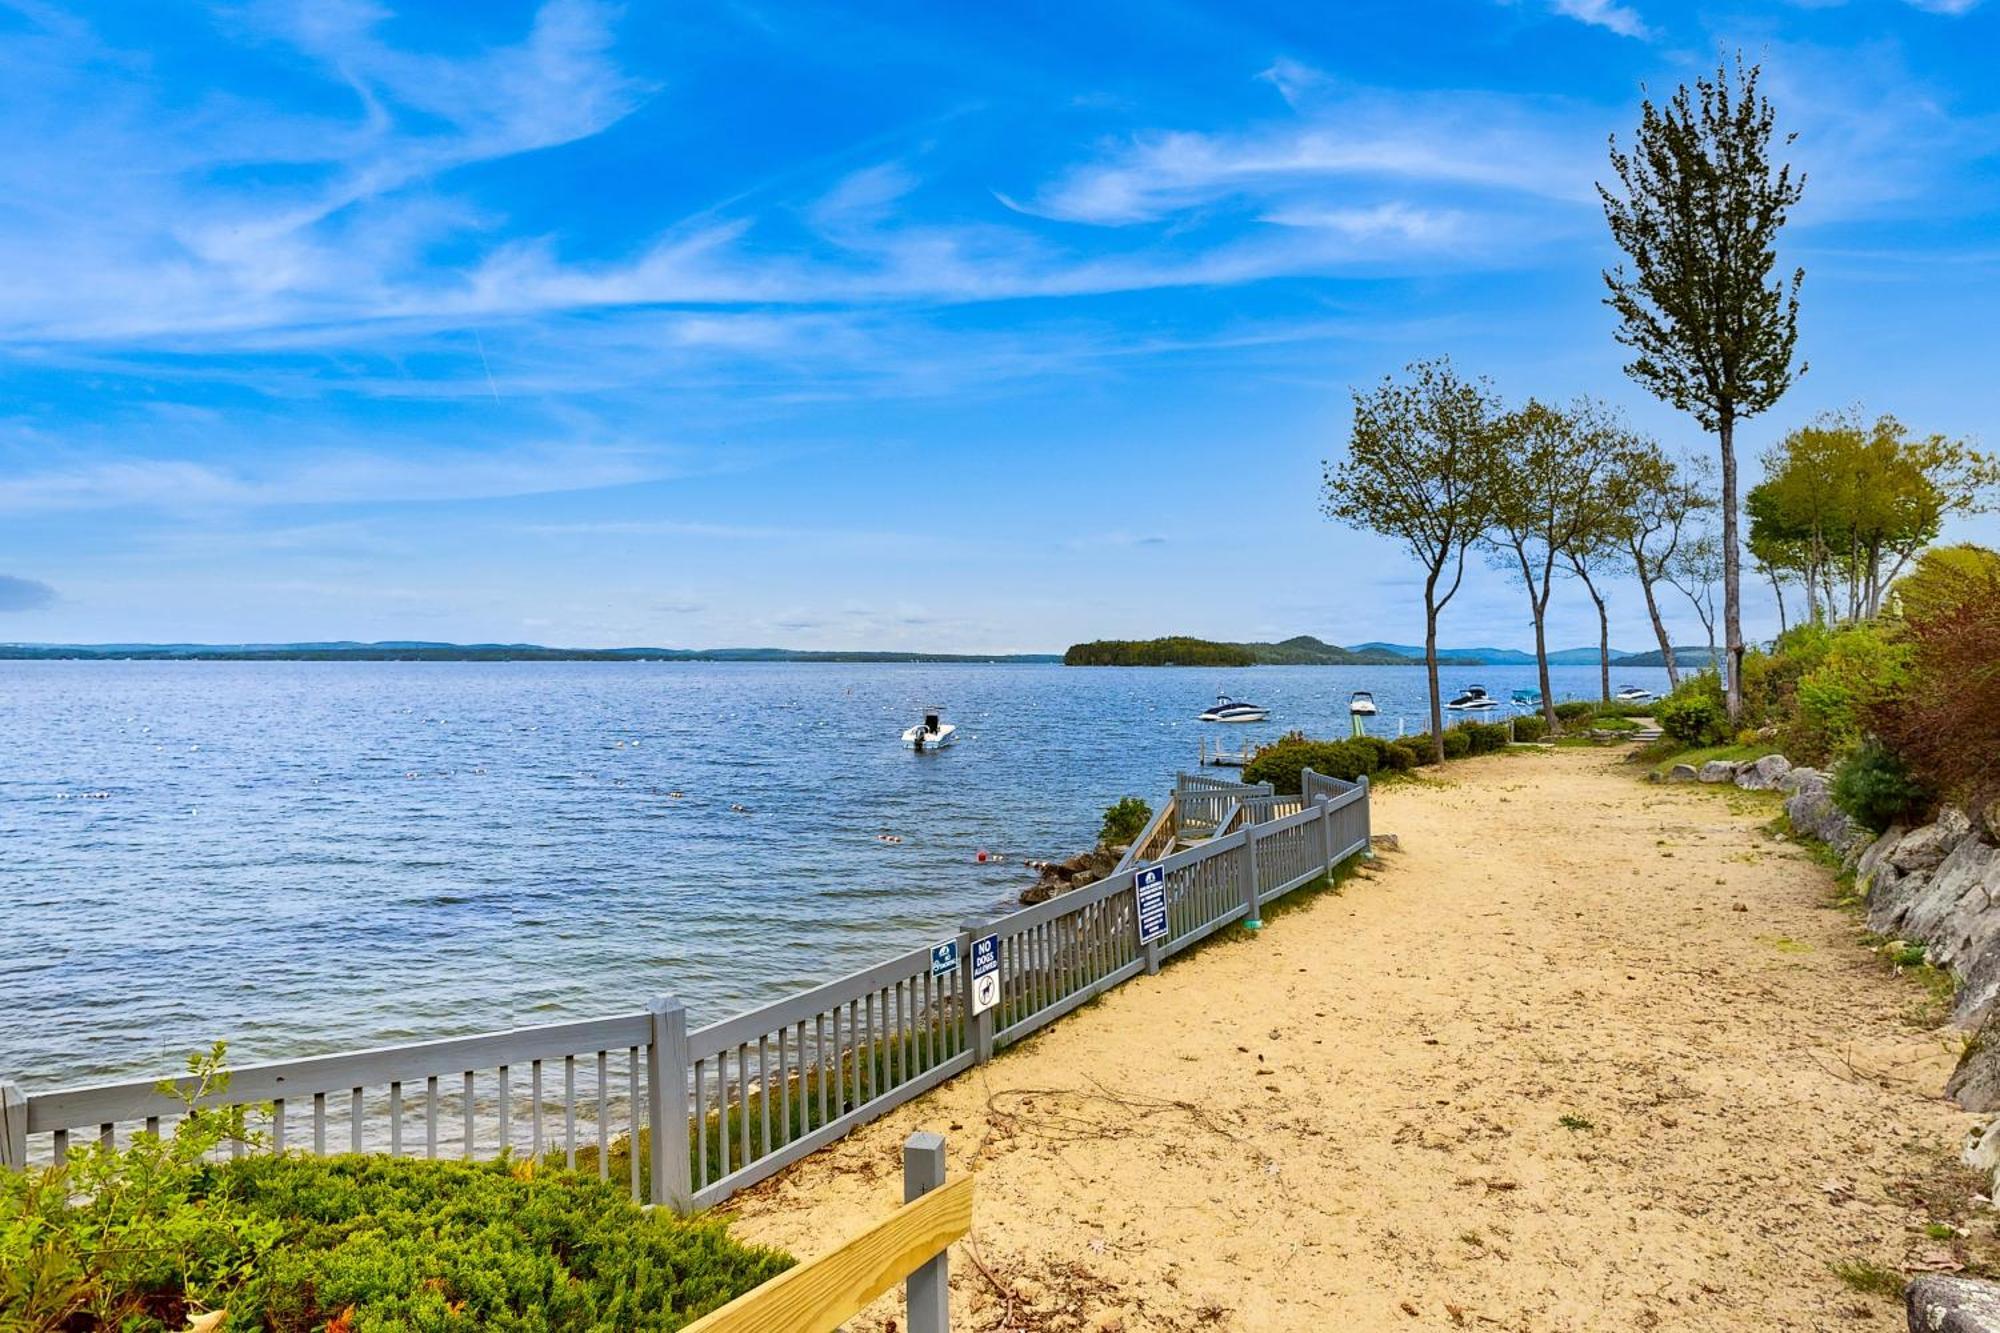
[1536,1072]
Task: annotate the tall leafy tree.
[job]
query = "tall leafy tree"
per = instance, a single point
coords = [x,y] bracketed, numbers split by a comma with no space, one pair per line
[1548,468]
[1415,472]
[1847,504]
[1712,325]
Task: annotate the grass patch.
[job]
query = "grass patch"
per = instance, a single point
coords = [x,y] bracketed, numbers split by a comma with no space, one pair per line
[1575,1123]
[1870,1278]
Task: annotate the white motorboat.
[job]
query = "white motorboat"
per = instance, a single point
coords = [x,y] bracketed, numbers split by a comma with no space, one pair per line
[1633,694]
[1472,699]
[1226,709]
[1362,704]
[933,733]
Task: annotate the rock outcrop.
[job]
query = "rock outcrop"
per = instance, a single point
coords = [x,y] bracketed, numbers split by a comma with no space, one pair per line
[1056,877]
[1763,774]
[1717,771]
[1935,1303]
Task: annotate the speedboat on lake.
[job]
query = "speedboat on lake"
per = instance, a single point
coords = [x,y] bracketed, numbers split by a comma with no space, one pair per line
[1226,709]
[1473,698]
[1362,704]
[933,733]
[1633,694]
[1527,698]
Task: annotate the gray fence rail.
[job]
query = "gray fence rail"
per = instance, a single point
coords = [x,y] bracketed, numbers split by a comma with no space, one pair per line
[688,1117]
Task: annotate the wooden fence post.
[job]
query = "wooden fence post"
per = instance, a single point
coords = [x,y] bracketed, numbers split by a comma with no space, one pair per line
[927,1295]
[1325,826]
[13,1127]
[667,1105]
[1367,821]
[978,1027]
[1251,919]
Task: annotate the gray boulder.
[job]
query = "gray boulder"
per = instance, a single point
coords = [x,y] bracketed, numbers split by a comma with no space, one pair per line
[1954,912]
[1681,773]
[1975,1085]
[1764,774]
[1876,857]
[1798,779]
[1814,815]
[1939,1304]
[1717,770]
[1928,846]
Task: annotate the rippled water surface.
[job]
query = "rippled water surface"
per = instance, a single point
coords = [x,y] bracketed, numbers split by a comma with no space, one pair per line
[303,857]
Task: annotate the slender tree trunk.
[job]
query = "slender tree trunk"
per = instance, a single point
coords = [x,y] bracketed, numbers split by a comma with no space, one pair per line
[1732,570]
[1778,590]
[1603,632]
[1431,666]
[1659,625]
[1542,661]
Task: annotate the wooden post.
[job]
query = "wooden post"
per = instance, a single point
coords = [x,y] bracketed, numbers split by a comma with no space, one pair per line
[979,1027]
[13,1127]
[927,1295]
[1325,826]
[1251,918]
[1367,822]
[667,1105]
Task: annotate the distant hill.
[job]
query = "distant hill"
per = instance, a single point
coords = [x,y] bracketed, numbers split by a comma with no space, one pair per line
[418,651]
[1184,650]
[1495,656]
[1683,657]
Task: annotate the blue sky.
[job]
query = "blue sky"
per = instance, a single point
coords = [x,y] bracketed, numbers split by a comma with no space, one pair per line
[962,327]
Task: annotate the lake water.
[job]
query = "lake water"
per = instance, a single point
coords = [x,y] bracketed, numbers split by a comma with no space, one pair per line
[302,857]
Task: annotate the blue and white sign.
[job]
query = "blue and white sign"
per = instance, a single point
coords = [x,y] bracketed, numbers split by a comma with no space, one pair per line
[944,958]
[985,973]
[1150,883]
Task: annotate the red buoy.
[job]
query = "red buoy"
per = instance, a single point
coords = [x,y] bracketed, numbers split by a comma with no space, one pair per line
[980,856]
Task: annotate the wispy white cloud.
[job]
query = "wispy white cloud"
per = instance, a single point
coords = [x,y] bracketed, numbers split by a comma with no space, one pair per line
[1609,14]
[325,478]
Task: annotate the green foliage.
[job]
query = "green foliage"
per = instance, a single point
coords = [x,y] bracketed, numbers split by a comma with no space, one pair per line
[1281,762]
[1457,744]
[1530,728]
[1573,710]
[1876,788]
[1860,667]
[1124,821]
[1944,721]
[1481,737]
[1703,203]
[1694,714]
[1176,650]
[140,1239]
[1402,757]
[1944,579]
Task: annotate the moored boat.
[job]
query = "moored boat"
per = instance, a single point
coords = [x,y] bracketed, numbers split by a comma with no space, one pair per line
[1473,698]
[933,733]
[1226,709]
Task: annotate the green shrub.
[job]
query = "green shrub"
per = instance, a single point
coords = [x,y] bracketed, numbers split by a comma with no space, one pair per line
[1424,748]
[1401,758]
[1694,713]
[1533,727]
[139,1239]
[1457,744]
[1482,737]
[1124,821]
[1862,666]
[1574,710]
[1876,789]
[1281,762]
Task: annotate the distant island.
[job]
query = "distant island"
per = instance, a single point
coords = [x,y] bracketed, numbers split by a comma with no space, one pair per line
[400,651]
[1305,650]
[1181,650]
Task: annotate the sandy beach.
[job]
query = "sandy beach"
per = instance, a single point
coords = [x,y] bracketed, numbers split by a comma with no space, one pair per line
[1584,1054]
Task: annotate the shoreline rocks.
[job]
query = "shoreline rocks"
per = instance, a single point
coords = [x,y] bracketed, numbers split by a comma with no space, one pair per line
[1059,877]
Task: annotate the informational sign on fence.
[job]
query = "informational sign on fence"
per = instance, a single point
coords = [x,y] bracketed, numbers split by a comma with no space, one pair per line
[985,973]
[1150,883]
[944,958]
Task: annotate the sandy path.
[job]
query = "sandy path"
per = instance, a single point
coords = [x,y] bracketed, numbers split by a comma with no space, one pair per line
[1355,1121]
